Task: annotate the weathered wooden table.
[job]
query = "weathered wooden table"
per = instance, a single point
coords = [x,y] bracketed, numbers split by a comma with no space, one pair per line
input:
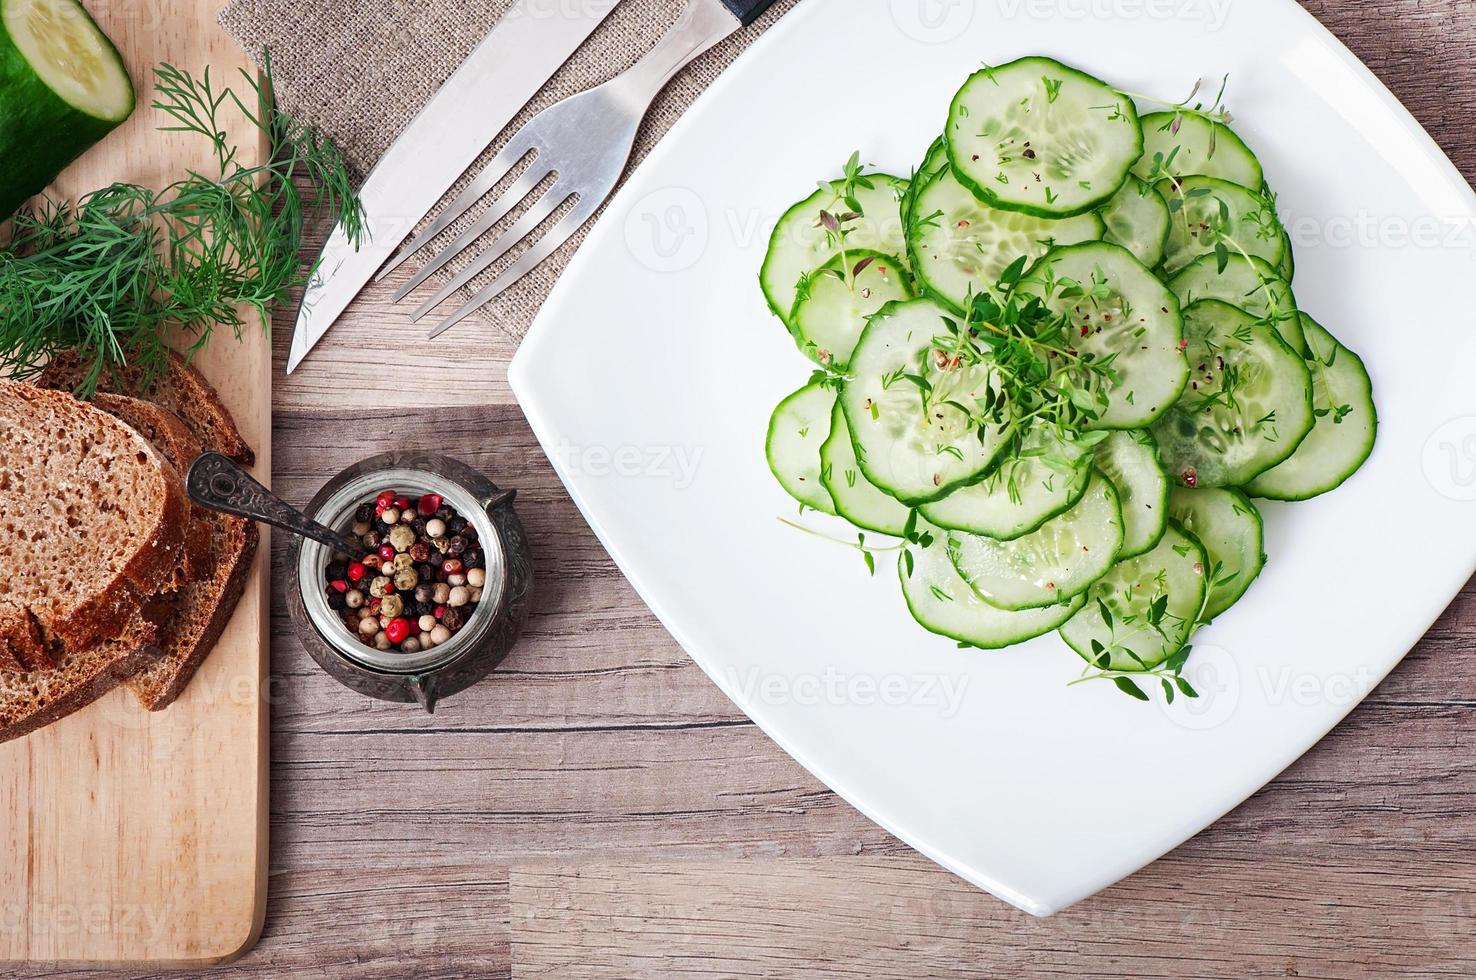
[598,808]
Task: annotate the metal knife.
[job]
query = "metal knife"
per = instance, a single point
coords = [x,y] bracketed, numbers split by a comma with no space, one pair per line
[476,103]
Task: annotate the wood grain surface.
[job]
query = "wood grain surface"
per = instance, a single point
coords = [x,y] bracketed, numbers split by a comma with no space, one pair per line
[126,835]
[599,809]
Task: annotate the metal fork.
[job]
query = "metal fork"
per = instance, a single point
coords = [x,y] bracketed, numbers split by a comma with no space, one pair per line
[584,142]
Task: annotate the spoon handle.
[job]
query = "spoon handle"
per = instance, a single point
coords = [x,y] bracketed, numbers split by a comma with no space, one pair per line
[216,483]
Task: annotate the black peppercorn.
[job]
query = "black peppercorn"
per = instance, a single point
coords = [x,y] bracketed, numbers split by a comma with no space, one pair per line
[336,600]
[425,571]
[456,525]
[445,513]
[456,545]
[426,608]
[472,557]
[371,540]
[423,592]
[336,570]
[453,618]
[418,526]
[436,559]
[365,513]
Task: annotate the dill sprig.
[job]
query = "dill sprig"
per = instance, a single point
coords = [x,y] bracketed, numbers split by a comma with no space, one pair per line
[118,273]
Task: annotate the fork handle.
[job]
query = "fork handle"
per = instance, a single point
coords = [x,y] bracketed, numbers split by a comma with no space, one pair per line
[747,11]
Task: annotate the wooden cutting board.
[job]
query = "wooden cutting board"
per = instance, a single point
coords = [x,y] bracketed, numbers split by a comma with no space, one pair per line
[128,837]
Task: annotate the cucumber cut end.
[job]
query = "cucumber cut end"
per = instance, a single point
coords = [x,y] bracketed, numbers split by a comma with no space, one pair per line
[67,52]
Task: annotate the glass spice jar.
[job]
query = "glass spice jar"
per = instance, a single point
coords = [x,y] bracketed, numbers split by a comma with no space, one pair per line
[491,629]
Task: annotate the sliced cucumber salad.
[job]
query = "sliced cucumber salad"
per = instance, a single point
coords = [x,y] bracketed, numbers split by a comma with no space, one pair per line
[1052,370]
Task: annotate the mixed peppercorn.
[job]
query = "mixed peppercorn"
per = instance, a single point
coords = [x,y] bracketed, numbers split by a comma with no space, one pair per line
[419,579]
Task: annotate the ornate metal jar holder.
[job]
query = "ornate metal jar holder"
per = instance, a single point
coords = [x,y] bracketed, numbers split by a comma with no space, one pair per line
[428,675]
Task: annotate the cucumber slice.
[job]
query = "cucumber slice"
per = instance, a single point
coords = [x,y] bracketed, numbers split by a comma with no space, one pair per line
[1118,309]
[1178,144]
[854,497]
[913,446]
[1038,137]
[959,245]
[1170,577]
[1249,405]
[943,603]
[1229,528]
[933,164]
[1130,460]
[1343,436]
[1249,283]
[1212,215]
[835,302]
[797,430]
[1287,267]
[1051,565]
[63,88]
[1137,218]
[1041,477]
[801,243]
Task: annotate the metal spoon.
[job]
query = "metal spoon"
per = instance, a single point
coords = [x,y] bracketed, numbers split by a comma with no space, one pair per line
[216,483]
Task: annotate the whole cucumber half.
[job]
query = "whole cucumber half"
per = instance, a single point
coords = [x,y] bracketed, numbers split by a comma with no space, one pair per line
[63,88]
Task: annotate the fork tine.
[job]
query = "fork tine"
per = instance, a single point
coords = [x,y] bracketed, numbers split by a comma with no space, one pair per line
[546,206]
[502,164]
[526,263]
[510,199]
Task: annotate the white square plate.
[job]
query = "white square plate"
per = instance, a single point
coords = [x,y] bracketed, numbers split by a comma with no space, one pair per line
[651,374]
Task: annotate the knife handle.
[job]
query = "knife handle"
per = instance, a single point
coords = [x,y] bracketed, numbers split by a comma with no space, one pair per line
[747,11]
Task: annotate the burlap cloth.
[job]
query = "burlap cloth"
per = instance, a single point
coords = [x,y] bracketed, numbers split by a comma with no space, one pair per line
[361,69]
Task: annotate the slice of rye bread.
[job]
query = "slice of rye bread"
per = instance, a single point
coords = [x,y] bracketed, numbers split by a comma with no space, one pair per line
[207,609]
[178,444]
[204,609]
[92,522]
[180,388]
[209,595]
[34,699]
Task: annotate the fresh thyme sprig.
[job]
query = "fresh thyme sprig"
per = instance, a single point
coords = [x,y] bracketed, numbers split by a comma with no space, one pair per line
[117,274]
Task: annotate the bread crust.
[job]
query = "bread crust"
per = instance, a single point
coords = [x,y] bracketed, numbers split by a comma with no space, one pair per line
[152,568]
[181,389]
[180,447]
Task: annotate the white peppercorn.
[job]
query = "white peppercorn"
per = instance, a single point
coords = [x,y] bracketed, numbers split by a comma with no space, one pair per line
[435,528]
[476,577]
[460,596]
[440,634]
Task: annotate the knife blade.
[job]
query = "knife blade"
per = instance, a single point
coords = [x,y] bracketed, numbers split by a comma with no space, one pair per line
[501,75]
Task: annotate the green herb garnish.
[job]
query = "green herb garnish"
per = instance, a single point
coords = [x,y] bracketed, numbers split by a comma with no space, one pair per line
[115,275]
